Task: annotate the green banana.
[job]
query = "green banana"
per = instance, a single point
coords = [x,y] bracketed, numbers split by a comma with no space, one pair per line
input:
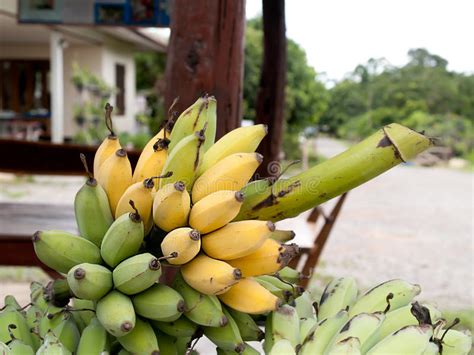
[37,296]
[307,327]
[282,236]
[269,340]
[167,343]
[456,342]
[62,250]
[317,342]
[137,273]
[239,140]
[383,150]
[183,344]
[94,339]
[286,325]
[347,346]
[51,345]
[398,319]
[4,349]
[33,316]
[433,349]
[227,337]
[282,347]
[90,281]
[304,306]
[184,160]
[361,326]
[85,309]
[182,327]
[202,309]
[247,351]
[249,330]
[193,119]
[67,332]
[291,275]
[92,209]
[278,292]
[11,301]
[141,340]
[17,347]
[375,300]
[123,239]
[159,302]
[281,284]
[338,294]
[20,330]
[115,312]
[412,339]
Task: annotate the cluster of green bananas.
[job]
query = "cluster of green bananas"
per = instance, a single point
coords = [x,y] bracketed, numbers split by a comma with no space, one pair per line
[384,320]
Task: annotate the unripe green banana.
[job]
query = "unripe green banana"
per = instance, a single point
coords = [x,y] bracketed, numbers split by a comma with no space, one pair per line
[412,339]
[85,309]
[304,306]
[201,309]
[457,342]
[307,327]
[286,325]
[282,347]
[249,330]
[141,340]
[94,339]
[347,346]
[282,236]
[362,326]
[137,273]
[4,349]
[123,239]
[37,296]
[17,347]
[33,316]
[290,275]
[11,301]
[20,330]
[338,294]
[49,321]
[159,302]
[182,327]
[51,345]
[115,312]
[227,337]
[90,281]
[184,160]
[269,340]
[317,342]
[67,332]
[183,344]
[62,250]
[92,210]
[247,351]
[239,140]
[433,349]
[375,300]
[193,119]
[167,343]
[275,290]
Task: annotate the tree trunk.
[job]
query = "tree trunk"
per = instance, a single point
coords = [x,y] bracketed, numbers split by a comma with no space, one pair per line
[206,55]
[271,94]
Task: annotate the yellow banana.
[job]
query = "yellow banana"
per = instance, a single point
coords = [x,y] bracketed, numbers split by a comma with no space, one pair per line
[186,242]
[115,176]
[239,140]
[268,259]
[237,239]
[152,158]
[109,145]
[209,276]
[231,173]
[249,296]
[171,206]
[215,210]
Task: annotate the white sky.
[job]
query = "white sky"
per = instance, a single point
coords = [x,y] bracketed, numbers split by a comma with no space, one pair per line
[340,34]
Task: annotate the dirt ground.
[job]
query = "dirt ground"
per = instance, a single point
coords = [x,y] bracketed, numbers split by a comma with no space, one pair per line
[411,222]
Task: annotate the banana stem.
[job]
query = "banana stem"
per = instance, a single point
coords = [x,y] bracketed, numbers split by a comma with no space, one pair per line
[376,154]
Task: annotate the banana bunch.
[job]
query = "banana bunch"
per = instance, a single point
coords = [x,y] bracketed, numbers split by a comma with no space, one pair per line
[188,205]
[384,320]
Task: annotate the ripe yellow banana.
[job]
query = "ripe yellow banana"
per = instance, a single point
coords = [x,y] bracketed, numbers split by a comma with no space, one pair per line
[171,206]
[115,176]
[209,276]
[249,296]
[231,173]
[109,145]
[215,210]
[268,259]
[152,158]
[237,239]
[240,140]
[186,242]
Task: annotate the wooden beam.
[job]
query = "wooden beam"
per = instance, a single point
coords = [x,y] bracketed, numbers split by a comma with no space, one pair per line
[271,94]
[206,55]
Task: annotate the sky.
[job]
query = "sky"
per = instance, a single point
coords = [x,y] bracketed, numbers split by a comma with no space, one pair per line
[337,35]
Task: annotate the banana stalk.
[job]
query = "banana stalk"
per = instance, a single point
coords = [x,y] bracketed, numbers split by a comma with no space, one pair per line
[381,151]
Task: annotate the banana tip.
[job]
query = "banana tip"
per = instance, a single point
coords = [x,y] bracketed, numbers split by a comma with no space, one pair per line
[239,348]
[36,236]
[126,326]
[223,321]
[239,196]
[181,307]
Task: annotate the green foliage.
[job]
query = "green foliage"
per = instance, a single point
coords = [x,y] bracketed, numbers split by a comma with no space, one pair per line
[423,95]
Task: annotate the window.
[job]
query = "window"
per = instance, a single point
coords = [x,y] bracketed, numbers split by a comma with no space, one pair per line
[120,87]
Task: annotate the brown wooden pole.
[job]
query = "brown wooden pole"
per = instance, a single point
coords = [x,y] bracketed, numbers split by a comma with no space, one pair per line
[206,55]
[271,94]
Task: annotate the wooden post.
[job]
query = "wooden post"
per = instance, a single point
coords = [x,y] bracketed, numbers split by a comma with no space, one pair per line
[271,94]
[206,55]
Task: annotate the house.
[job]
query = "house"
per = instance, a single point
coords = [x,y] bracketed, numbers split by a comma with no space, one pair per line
[36,68]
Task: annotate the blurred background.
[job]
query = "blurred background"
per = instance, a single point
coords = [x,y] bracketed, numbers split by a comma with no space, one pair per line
[322,75]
